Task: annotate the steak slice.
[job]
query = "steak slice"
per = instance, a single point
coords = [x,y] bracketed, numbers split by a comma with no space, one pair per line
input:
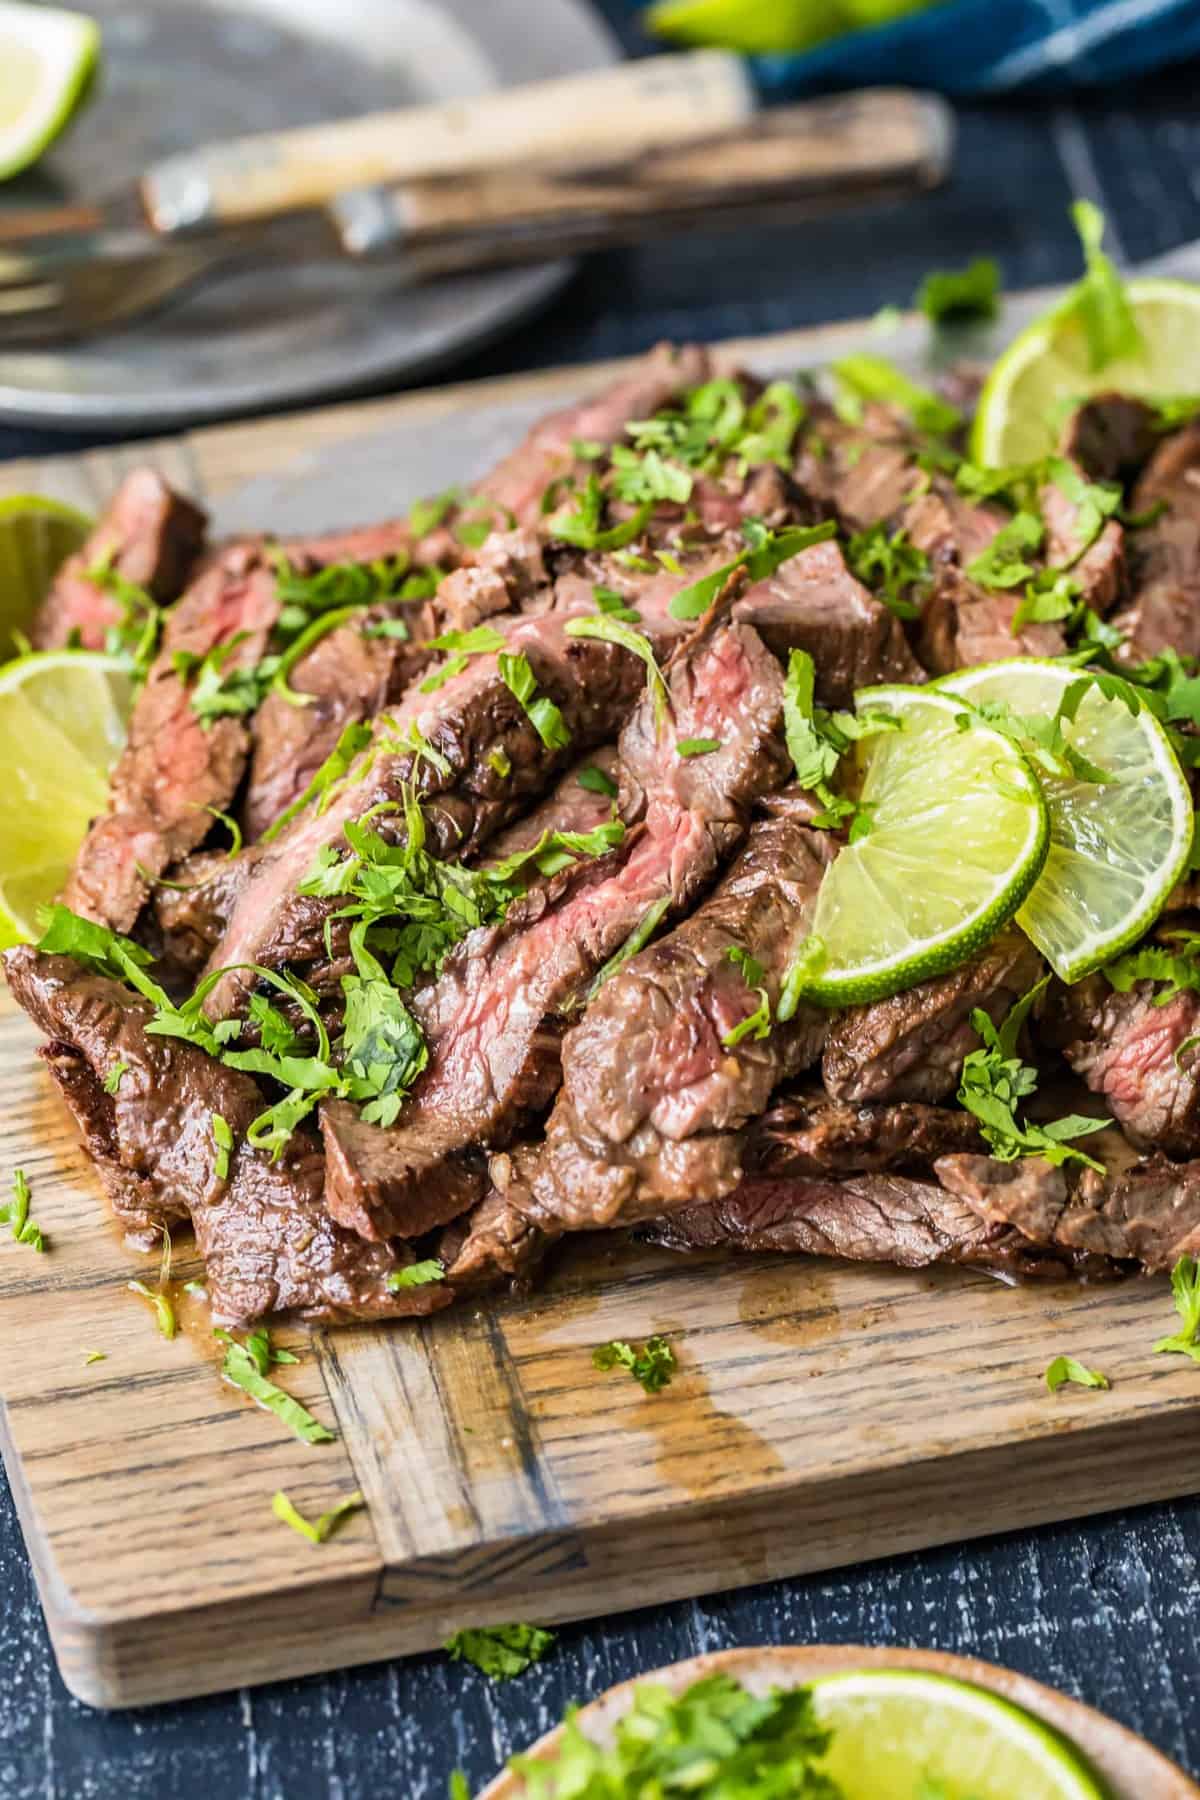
[267,1241]
[911,1046]
[149,535]
[1100,568]
[809,1134]
[863,1218]
[1141,1212]
[173,767]
[190,915]
[488,763]
[814,603]
[1164,558]
[1125,1047]
[494,1016]
[547,453]
[654,1091]
[1111,437]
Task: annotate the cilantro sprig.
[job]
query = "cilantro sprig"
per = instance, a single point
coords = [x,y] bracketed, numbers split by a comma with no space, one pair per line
[1185,1291]
[651,1367]
[500,1651]
[995,1081]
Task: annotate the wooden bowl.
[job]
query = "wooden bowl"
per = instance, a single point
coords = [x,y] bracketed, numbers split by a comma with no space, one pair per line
[1132,1769]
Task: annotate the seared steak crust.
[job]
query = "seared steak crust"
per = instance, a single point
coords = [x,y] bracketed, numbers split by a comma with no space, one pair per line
[1125,1047]
[807,1133]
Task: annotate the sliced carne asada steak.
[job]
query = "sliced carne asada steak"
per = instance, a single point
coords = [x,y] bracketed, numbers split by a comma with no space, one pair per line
[506,1236]
[863,1218]
[190,914]
[814,603]
[1111,437]
[148,535]
[480,761]
[911,1046]
[1164,554]
[1125,1048]
[1099,566]
[267,1241]
[662,1072]
[807,1133]
[547,454]
[174,766]
[494,1016]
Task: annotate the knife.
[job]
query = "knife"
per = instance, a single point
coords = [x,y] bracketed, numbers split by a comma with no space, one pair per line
[601,115]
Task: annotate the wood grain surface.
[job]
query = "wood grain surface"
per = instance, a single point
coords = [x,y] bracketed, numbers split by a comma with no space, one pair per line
[822,1413]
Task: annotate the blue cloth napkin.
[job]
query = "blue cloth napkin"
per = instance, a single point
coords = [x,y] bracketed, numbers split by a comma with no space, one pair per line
[996,47]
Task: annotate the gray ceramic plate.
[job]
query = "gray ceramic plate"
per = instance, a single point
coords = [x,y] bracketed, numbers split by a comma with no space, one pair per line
[181,72]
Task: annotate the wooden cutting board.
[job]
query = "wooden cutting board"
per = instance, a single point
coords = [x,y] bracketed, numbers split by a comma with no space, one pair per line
[822,1413]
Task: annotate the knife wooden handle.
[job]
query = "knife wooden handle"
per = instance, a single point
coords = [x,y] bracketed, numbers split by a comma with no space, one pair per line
[605,113]
[800,159]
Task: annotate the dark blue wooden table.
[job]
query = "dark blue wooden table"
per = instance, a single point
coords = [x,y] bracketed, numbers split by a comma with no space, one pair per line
[1107,1609]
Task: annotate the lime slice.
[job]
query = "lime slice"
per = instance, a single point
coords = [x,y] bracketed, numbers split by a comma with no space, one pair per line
[47,59]
[1046,368]
[1117,849]
[957,836]
[62,724]
[36,537]
[909,1735]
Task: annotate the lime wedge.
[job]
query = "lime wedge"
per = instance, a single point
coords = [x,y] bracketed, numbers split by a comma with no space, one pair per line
[1046,369]
[1117,848]
[780,26]
[62,724]
[957,837]
[908,1735]
[47,58]
[36,537]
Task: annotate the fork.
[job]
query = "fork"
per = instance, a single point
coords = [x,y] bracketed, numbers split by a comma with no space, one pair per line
[790,162]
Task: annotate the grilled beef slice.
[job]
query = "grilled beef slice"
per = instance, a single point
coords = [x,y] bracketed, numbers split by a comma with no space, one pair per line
[546,454]
[149,535]
[814,603]
[1111,437]
[806,1133]
[476,728]
[173,767]
[654,1096]
[863,1218]
[267,1241]
[1143,1212]
[1164,555]
[494,1016]
[911,1046]
[1125,1047]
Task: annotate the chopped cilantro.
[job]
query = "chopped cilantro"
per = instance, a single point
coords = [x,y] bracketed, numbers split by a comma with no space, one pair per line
[16,1213]
[164,1312]
[615,605]
[500,1651]
[1003,564]
[1176,971]
[652,1366]
[765,552]
[994,1080]
[241,1368]
[946,295]
[583,527]
[426,515]
[637,940]
[1065,1368]
[1185,1291]
[112,1081]
[894,569]
[417,1274]
[223,1140]
[698,746]
[1051,596]
[539,709]
[353,739]
[94,1356]
[1099,301]
[383,1047]
[462,646]
[817,739]
[596,781]
[712,1741]
[500,762]
[758,1024]
[615,631]
[387,628]
[315,1530]
[644,475]
[873,378]
[134,638]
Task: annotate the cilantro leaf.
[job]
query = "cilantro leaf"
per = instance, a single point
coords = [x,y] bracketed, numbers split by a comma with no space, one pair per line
[315,1530]
[1003,564]
[583,527]
[873,378]
[1178,970]
[112,1081]
[539,709]
[1185,1291]
[353,740]
[241,1369]
[383,1047]
[1065,1368]
[894,569]
[426,515]
[417,1274]
[765,552]
[500,1651]
[16,1213]
[697,746]
[970,293]
[223,1142]
[758,1024]
[652,1366]
[615,631]
[164,1312]
[637,940]
[1099,301]
[645,475]
[596,781]
[994,1080]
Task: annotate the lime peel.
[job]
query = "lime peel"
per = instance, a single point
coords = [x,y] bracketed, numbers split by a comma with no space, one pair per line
[47,60]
